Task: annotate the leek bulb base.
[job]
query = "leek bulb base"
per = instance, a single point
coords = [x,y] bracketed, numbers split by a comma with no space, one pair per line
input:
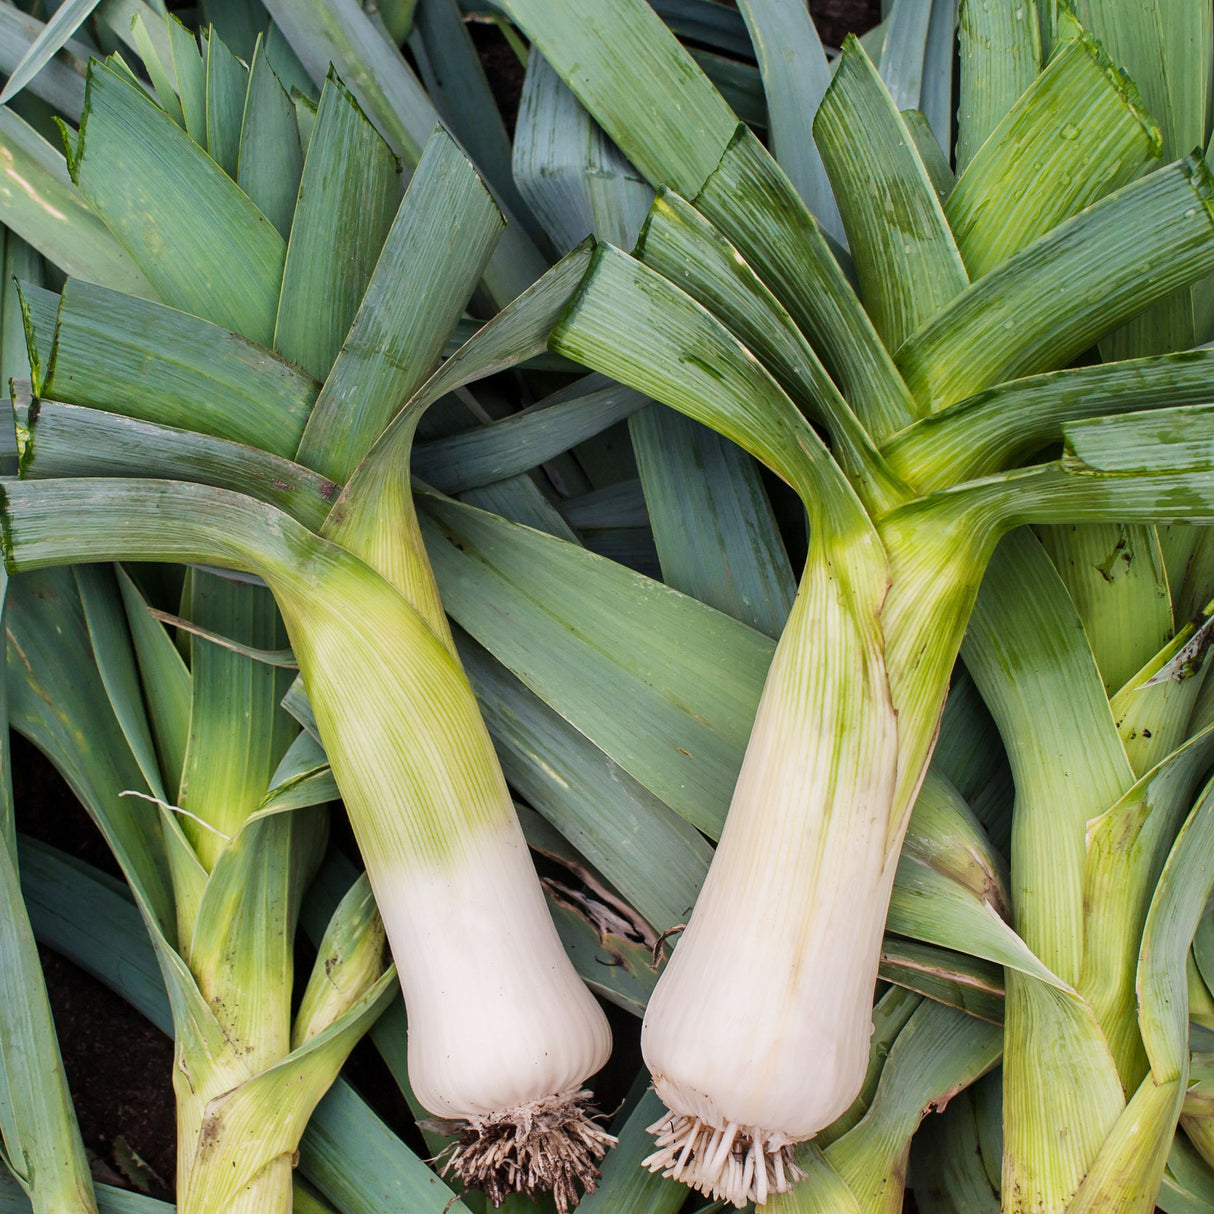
[734,1163]
[548,1145]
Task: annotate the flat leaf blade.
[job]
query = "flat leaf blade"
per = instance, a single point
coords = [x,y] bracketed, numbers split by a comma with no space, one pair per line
[906,261]
[614,58]
[40,203]
[435,251]
[1077,132]
[796,75]
[192,374]
[1060,293]
[63,23]
[349,191]
[156,190]
[270,158]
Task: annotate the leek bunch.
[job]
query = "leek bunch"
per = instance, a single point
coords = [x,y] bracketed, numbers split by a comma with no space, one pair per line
[733,310]
[486,977]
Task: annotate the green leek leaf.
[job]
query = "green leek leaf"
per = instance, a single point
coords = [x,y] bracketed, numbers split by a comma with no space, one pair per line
[1168,51]
[166,684]
[362,1167]
[523,440]
[264,1118]
[437,246]
[712,523]
[60,80]
[1154,708]
[339,32]
[967,983]
[1032,172]
[906,261]
[631,323]
[1119,882]
[349,192]
[270,158]
[619,826]
[1000,49]
[903,52]
[241,949]
[189,69]
[1059,735]
[191,374]
[756,209]
[111,641]
[456,82]
[1004,425]
[1188,1183]
[157,57]
[41,1138]
[695,768]
[14,1200]
[1060,293]
[575,180]
[796,75]
[1105,276]
[227,83]
[302,778]
[1129,1168]
[931,906]
[59,670]
[349,960]
[39,202]
[636,80]
[62,24]
[157,190]
[1116,578]
[681,245]
[226,773]
[936,89]
[1177,906]
[946,1171]
[68,440]
[934,157]
[1056,1064]
[237,23]
[939,1051]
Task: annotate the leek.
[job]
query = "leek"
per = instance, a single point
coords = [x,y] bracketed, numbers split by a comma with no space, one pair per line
[479,1037]
[755,1011]
[480,1048]
[502,1032]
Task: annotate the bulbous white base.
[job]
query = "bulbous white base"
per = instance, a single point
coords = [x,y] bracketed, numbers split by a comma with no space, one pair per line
[549,1145]
[735,1163]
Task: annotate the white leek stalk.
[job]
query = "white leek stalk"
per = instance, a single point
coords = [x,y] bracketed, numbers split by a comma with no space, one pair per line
[502,1031]
[758,1033]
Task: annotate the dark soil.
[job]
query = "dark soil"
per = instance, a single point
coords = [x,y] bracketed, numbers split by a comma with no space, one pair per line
[836,19]
[118,1065]
[502,66]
